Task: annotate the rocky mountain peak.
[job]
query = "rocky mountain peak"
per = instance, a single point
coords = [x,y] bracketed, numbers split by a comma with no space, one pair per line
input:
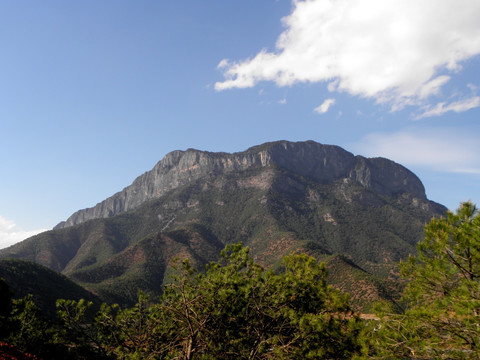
[322,163]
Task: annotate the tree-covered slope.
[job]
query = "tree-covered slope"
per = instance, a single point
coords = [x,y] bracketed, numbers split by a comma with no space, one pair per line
[277,198]
[46,286]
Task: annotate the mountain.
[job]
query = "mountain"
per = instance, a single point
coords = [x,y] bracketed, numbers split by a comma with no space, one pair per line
[46,286]
[360,215]
[322,163]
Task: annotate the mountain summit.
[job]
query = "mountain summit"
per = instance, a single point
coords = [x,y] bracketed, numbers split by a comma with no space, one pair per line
[359,215]
[321,163]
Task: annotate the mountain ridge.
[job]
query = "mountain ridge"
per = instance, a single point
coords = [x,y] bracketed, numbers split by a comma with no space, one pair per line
[359,215]
[180,167]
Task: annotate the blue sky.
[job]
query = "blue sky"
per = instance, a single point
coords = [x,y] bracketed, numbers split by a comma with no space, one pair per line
[94,93]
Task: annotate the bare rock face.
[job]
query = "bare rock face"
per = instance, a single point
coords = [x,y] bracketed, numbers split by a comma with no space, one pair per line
[386,177]
[322,163]
[360,215]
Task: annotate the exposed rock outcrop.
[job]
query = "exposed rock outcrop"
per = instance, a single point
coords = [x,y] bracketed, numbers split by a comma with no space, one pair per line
[323,163]
[358,215]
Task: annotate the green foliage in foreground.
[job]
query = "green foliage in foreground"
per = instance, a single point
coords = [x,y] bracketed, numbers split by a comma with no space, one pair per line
[236,310]
[441,319]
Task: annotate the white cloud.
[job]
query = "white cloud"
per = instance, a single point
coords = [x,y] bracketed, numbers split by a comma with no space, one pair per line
[457,106]
[11,234]
[472,87]
[322,109]
[433,86]
[389,50]
[283,101]
[446,150]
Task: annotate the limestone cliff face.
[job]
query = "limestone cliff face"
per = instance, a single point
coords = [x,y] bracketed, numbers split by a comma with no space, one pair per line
[386,177]
[322,163]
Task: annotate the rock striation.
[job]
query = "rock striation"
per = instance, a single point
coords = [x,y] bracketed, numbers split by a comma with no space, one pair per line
[322,163]
[358,215]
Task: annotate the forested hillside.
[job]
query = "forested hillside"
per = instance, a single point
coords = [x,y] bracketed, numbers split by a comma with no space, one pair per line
[359,215]
[237,309]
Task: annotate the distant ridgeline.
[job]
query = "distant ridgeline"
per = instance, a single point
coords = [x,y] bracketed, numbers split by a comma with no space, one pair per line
[359,215]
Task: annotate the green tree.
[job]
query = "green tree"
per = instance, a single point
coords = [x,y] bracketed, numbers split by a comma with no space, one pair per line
[441,317]
[28,330]
[76,332]
[135,333]
[235,310]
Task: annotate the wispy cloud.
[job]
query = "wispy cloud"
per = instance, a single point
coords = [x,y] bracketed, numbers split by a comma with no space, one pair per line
[11,234]
[457,106]
[389,50]
[323,108]
[446,150]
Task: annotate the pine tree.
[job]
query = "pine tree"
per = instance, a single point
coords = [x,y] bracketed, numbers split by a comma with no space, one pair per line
[442,298]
